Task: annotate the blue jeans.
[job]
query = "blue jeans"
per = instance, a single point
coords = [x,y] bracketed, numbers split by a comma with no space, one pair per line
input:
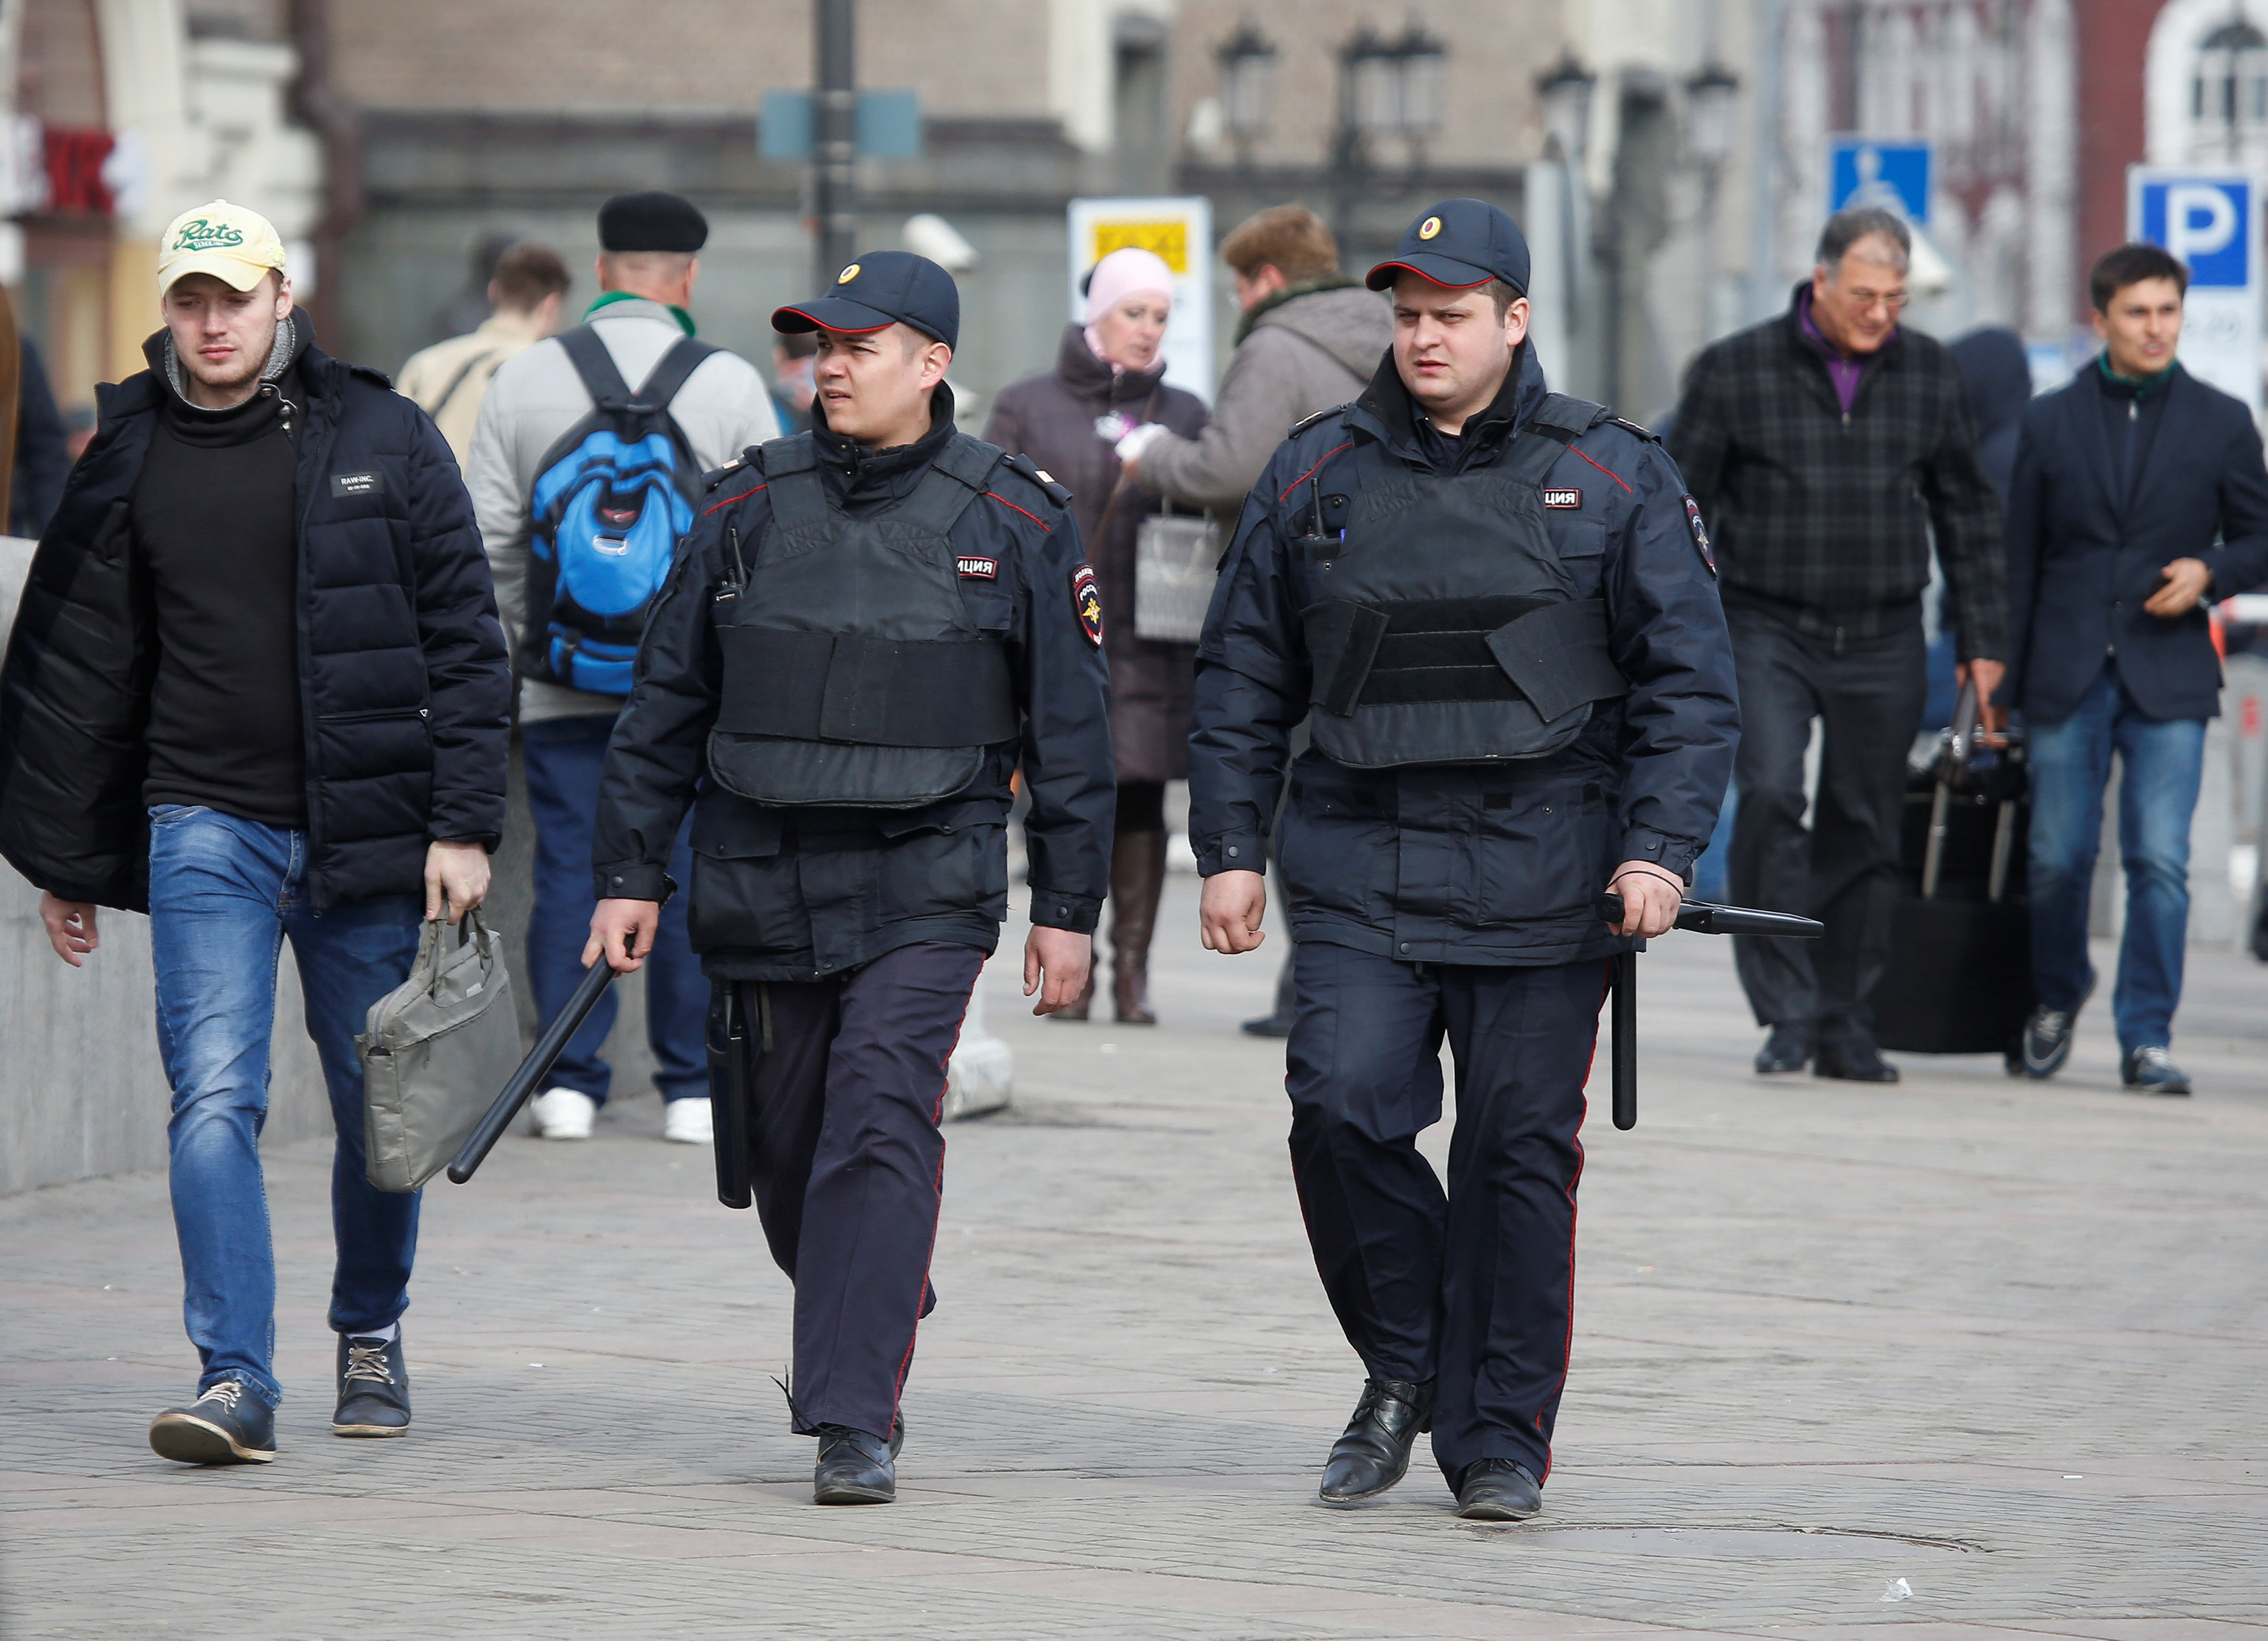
[2161,763]
[225,894]
[562,757]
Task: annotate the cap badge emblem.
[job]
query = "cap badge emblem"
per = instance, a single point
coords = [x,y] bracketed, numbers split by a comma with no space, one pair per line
[847,274]
[1428,228]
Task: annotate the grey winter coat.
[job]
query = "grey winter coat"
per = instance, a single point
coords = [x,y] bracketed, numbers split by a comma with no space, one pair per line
[1308,352]
[1051,419]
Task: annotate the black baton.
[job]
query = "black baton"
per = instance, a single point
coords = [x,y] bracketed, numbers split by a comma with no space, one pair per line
[729,1076]
[1699,917]
[531,1071]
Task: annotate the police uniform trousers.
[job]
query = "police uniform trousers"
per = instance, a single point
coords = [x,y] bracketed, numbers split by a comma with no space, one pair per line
[1472,1289]
[847,1164]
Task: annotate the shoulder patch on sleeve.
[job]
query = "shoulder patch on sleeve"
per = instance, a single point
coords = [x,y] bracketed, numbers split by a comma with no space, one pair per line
[1087,604]
[1700,536]
[1026,467]
[1304,423]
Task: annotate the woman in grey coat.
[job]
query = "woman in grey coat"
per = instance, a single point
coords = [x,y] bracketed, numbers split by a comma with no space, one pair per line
[1108,379]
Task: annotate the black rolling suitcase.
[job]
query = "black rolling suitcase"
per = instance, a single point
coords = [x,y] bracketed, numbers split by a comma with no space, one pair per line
[1959,979]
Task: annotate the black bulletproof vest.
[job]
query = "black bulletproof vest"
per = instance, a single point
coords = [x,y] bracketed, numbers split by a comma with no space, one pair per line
[853,673]
[1452,633]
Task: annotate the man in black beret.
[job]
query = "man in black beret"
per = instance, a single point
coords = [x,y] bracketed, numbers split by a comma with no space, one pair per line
[535,437]
[873,625]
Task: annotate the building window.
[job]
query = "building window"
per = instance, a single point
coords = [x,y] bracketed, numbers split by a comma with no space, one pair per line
[2230,86]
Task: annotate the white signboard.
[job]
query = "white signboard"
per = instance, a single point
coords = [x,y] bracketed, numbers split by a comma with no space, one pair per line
[1180,230]
[2210,222]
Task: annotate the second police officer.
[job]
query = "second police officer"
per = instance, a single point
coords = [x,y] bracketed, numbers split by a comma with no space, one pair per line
[872,623]
[1498,613]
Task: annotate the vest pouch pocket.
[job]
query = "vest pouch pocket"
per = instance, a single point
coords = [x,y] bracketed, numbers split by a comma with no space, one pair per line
[951,860]
[744,895]
[811,773]
[1542,854]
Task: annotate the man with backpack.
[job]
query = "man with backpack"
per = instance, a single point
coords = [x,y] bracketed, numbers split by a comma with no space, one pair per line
[589,448]
[449,379]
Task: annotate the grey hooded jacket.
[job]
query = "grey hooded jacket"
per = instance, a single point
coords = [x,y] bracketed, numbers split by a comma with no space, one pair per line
[1307,353]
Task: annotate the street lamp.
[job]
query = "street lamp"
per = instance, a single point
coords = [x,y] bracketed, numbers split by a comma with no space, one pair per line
[1247,62]
[1566,94]
[1373,86]
[1710,96]
[1422,59]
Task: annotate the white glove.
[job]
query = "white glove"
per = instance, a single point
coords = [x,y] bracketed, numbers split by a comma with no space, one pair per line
[1130,448]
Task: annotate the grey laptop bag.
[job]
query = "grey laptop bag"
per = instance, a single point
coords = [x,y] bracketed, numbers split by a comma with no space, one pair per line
[436,1049]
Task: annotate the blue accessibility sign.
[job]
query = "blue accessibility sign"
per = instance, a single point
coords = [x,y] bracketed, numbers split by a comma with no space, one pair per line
[2203,219]
[1867,170]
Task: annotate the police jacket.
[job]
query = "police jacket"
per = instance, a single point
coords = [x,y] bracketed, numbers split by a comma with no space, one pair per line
[1494,860]
[405,689]
[802,889]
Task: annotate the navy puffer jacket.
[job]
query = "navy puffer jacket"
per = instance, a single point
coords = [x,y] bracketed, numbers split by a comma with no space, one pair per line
[404,685]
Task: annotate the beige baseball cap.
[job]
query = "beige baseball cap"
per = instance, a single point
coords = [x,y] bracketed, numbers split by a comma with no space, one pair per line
[224,240]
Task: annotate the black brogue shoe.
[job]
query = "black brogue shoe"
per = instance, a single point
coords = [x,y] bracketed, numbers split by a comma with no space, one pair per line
[1498,1490]
[1374,1453]
[854,1467]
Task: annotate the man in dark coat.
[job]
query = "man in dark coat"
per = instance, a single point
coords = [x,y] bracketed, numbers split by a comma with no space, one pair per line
[257,688]
[1500,608]
[1065,420]
[1827,449]
[2139,497]
[872,623]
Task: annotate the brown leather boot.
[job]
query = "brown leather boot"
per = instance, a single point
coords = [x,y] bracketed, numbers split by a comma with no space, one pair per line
[1137,877]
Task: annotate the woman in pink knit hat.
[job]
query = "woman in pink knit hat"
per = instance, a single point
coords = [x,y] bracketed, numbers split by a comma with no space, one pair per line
[1107,380]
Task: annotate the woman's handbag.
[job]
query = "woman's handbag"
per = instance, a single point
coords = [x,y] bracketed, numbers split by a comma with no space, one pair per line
[436,1049]
[1176,560]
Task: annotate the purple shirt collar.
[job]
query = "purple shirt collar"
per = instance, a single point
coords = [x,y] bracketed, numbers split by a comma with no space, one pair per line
[1846,373]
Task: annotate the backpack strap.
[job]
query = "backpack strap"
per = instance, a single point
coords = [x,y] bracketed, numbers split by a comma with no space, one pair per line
[686,356]
[595,365]
[464,372]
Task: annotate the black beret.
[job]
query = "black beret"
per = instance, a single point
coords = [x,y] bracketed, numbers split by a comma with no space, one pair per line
[652,221]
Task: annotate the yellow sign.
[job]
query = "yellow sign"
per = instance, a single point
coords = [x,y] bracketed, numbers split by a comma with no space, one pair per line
[1169,241]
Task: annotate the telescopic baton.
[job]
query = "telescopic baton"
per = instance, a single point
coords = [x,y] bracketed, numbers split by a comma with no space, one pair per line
[532,1070]
[1701,917]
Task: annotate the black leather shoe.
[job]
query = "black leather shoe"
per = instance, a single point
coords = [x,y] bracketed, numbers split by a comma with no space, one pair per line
[373,1387]
[1374,1453]
[1788,1049]
[228,1424]
[1854,1060]
[1498,1490]
[854,1467]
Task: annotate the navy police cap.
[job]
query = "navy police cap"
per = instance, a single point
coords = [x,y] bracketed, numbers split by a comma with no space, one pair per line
[1460,244]
[879,289]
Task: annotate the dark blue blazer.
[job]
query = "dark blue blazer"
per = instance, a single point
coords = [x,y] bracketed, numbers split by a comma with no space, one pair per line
[2080,564]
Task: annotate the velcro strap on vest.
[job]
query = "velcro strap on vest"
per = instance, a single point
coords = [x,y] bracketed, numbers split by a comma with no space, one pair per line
[865,691]
[1558,656]
[1490,649]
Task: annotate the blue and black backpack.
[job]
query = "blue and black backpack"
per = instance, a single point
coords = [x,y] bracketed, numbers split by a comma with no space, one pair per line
[611,500]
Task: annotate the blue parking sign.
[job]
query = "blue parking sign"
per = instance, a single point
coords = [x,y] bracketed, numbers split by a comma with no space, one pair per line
[2204,219]
[1865,171]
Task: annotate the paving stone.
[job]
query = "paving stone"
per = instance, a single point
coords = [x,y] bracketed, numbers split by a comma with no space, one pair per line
[2006,1341]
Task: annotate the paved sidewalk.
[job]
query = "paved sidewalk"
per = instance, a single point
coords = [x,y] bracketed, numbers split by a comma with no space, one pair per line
[2003,1346]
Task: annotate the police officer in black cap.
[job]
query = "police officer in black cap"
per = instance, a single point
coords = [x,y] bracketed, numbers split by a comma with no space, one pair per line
[871,625]
[1498,615]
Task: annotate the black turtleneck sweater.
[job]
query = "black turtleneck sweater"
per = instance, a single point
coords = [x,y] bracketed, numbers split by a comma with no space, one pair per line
[212,518]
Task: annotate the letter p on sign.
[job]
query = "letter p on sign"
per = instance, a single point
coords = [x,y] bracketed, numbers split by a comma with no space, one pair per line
[2200,219]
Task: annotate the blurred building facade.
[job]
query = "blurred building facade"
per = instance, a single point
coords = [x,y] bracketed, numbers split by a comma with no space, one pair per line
[1667,157]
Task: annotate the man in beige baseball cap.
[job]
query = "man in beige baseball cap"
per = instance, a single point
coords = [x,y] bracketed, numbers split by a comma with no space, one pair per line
[227,242]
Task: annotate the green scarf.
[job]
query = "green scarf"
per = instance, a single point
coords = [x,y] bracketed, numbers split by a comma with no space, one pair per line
[1267,304]
[2140,386]
[684,319]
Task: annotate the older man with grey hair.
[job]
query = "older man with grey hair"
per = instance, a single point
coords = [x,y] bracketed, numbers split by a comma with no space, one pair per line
[1825,449]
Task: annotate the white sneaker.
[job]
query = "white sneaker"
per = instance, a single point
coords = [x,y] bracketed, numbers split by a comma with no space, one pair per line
[563,1113]
[690,1122]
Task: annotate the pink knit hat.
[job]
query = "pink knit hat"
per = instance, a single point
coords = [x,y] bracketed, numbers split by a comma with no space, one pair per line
[1120,274]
